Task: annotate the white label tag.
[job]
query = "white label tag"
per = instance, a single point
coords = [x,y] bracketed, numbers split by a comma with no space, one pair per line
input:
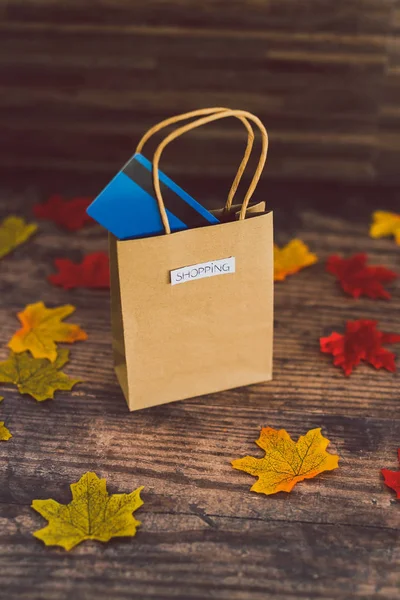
[222,266]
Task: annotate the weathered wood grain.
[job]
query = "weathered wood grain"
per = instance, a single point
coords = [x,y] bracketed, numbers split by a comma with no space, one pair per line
[204,534]
[353,16]
[80,82]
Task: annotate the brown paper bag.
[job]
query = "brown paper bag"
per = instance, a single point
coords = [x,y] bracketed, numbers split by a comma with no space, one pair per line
[233,214]
[193,332]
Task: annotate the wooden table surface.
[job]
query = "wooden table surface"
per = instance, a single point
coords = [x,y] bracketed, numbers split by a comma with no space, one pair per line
[203,533]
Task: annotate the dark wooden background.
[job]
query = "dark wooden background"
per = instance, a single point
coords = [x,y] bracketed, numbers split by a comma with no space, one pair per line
[79,83]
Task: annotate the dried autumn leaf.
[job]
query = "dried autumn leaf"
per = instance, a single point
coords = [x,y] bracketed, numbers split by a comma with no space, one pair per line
[385,224]
[4,433]
[362,340]
[92,272]
[36,376]
[68,214]
[287,462]
[292,258]
[357,279]
[42,327]
[392,478]
[14,231]
[92,515]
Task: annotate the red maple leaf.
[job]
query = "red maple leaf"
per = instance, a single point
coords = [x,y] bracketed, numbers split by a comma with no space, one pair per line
[392,478]
[361,341]
[357,279]
[68,214]
[92,272]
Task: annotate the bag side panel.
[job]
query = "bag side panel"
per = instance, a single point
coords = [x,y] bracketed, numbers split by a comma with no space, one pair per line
[117,326]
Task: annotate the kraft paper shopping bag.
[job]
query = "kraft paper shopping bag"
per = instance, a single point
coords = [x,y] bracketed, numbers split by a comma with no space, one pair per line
[192,311]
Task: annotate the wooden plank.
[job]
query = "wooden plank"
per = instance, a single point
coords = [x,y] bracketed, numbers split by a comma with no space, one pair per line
[231,562]
[203,533]
[389,114]
[195,154]
[254,69]
[314,70]
[351,16]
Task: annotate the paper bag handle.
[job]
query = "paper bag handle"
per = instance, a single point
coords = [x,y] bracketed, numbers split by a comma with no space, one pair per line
[198,113]
[175,119]
[203,121]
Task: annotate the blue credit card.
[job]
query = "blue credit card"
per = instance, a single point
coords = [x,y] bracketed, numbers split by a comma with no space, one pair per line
[128,208]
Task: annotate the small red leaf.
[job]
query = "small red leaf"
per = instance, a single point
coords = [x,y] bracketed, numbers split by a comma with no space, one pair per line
[92,272]
[392,478]
[68,214]
[357,279]
[361,341]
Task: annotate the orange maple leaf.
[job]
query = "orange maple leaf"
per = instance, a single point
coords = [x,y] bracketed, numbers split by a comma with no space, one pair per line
[287,462]
[292,258]
[42,327]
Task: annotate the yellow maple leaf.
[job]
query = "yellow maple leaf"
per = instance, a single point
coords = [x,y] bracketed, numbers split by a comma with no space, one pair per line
[292,258]
[4,433]
[42,327]
[13,232]
[385,224]
[92,515]
[36,376]
[286,462]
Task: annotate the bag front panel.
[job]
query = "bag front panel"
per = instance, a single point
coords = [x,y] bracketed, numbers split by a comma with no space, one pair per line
[203,335]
